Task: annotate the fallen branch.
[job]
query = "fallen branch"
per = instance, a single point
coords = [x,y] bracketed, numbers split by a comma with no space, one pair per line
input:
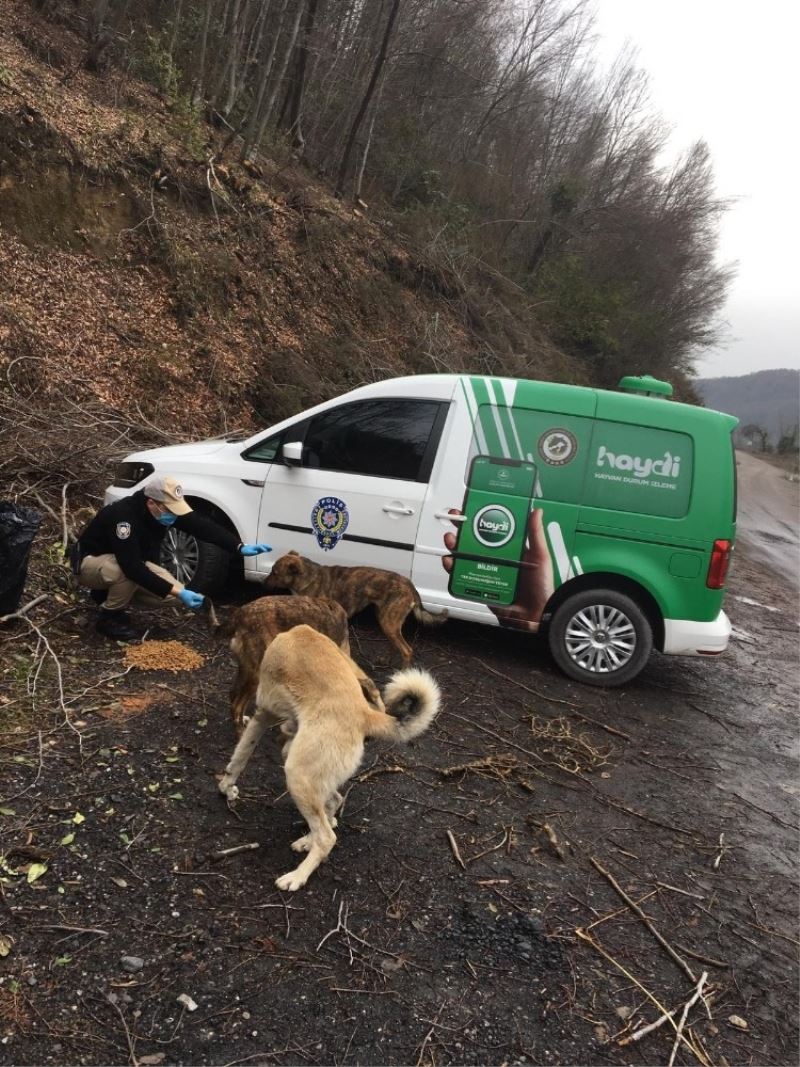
[684,966]
[25,609]
[698,993]
[584,936]
[527,688]
[645,1030]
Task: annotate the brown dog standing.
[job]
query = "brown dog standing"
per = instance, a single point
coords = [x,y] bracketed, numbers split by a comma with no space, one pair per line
[252,627]
[355,588]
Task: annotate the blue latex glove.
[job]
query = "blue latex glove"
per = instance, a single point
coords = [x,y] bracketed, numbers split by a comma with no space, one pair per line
[254,550]
[190,598]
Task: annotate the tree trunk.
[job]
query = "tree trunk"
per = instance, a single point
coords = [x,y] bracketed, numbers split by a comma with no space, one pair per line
[379,63]
[365,154]
[98,36]
[175,26]
[294,117]
[270,104]
[199,85]
[266,70]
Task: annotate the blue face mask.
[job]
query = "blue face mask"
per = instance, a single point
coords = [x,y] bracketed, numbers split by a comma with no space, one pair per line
[167,520]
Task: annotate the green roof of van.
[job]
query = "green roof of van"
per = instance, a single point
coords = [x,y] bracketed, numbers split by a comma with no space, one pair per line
[646,404]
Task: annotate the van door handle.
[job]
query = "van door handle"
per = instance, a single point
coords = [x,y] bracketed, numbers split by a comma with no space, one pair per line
[394,509]
[449,517]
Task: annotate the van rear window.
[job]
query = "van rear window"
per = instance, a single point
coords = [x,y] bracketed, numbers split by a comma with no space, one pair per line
[639,469]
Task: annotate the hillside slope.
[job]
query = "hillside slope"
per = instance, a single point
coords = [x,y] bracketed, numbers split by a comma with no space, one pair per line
[166,292]
[767,398]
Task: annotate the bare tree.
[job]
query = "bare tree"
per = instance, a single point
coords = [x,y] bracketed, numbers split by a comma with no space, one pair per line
[376,73]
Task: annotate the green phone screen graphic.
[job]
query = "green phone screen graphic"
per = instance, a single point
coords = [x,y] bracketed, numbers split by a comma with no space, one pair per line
[497,503]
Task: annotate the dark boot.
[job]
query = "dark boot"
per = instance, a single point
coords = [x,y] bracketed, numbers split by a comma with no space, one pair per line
[99,596]
[116,625]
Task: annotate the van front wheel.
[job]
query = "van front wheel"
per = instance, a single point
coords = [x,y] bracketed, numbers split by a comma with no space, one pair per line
[600,637]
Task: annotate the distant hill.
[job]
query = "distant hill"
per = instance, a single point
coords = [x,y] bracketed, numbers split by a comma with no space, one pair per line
[768,398]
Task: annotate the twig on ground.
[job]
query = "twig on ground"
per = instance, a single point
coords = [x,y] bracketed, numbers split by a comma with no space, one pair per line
[684,966]
[723,848]
[550,833]
[342,928]
[234,851]
[507,833]
[429,1035]
[22,612]
[454,849]
[645,1030]
[129,1039]
[684,892]
[698,994]
[64,527]
[602,725]
[703,959]
[527,688]
[584,936]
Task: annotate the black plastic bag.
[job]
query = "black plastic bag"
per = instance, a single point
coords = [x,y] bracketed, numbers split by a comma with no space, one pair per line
[18,526]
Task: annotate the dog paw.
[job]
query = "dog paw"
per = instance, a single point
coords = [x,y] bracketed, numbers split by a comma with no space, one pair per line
[302,844]
[230,792]
[290,882]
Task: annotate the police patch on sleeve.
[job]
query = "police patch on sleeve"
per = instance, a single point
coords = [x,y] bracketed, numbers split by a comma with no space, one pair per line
[123,530]
[329,520]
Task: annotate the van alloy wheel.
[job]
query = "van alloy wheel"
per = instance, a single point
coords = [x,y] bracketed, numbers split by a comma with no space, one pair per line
[180,554]
[197,564]
[601,637]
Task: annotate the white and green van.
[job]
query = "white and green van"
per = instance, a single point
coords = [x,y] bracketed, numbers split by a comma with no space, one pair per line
[605,519]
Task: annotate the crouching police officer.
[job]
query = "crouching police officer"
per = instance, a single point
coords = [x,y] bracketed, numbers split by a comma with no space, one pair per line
[115,556]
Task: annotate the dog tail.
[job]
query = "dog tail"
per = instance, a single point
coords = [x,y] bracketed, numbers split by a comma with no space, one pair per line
[215,627]
[412,700]
[427,617]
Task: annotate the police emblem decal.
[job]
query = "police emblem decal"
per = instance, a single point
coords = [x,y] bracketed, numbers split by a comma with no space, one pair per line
[557,447]
[123,530]
[329,520]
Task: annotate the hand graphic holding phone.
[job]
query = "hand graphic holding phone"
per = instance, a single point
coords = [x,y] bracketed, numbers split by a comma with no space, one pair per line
[536,583]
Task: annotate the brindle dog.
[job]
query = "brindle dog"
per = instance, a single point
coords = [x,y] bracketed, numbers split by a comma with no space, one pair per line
[355,588]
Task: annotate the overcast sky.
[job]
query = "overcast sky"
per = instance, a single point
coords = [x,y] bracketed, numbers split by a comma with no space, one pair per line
[726,72]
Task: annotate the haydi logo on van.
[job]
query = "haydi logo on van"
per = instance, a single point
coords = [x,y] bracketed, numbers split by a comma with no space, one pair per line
[667,467]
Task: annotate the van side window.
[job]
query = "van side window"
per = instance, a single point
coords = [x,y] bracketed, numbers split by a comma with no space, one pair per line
[382,438]
[265,451]
[639,469]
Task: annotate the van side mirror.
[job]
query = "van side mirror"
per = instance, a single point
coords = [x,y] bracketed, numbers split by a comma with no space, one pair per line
[293,453]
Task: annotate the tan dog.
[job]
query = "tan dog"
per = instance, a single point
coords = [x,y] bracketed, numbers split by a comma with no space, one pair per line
[308,684]
[253,626]
[355,588]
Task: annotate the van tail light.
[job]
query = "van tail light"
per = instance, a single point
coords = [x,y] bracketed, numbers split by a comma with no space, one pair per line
[718,567]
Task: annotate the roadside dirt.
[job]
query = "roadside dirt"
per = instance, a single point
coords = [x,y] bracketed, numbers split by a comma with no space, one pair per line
[466,915]
[767,515]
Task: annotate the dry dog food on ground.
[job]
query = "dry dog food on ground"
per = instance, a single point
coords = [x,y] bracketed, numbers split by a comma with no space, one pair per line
[163,656]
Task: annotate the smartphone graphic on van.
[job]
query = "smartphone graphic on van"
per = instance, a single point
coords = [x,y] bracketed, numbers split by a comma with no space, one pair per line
[491,538]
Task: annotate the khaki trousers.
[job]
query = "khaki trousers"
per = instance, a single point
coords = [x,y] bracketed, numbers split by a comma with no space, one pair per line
[103,572]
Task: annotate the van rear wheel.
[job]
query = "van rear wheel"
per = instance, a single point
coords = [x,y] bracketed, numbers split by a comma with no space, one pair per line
[600,637]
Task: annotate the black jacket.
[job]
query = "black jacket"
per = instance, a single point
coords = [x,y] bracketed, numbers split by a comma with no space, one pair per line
[127,530]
